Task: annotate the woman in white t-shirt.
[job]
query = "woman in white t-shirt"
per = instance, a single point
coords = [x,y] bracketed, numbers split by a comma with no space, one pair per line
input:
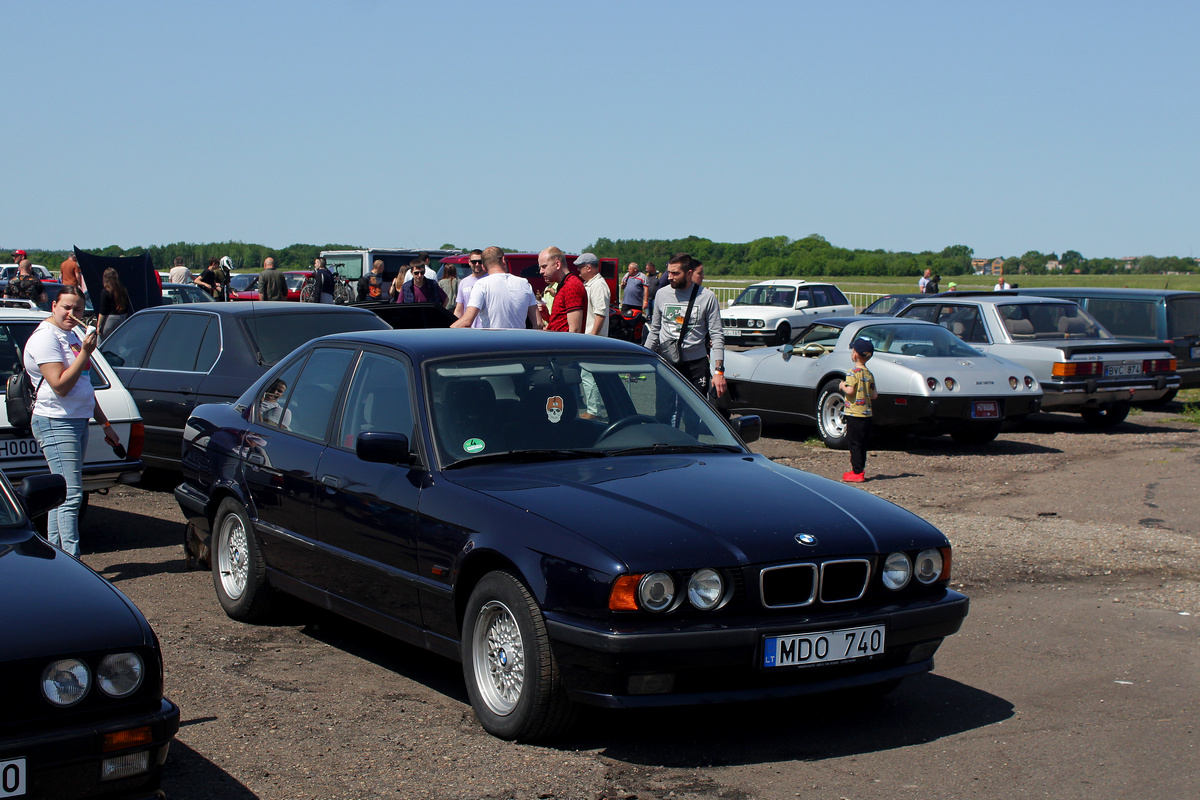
[57,361]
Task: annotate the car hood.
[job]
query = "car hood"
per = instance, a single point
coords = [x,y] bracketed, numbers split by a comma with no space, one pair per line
[55,605]
[710,510]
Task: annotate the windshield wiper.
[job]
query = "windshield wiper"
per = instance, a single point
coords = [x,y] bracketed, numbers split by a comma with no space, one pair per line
[530,455]
[674,448]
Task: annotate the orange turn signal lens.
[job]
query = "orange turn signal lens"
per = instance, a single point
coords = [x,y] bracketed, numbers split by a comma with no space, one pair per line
[945,576]
[130,738]
[623,596]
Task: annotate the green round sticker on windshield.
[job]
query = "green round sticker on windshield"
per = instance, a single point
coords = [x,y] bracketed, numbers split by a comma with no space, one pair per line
[473,445]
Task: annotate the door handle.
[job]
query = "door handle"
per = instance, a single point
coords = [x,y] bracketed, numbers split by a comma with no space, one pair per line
[331,480]
[186,389]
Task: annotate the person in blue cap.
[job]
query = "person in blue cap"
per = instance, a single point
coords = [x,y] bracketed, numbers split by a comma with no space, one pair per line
[859,388]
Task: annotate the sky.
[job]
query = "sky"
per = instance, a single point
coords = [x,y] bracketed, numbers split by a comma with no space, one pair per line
[1006,126]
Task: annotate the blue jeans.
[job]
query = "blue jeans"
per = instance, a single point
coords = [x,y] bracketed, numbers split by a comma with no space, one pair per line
[63,442]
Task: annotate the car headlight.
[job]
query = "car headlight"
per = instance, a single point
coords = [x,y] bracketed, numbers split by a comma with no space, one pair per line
[758,323]
[929,565]
[656,591]
[65,682]
[705,589]
[897,570]
[120,674]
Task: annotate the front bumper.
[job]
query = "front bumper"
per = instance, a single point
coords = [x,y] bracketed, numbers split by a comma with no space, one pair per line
[66,763]
[720,664]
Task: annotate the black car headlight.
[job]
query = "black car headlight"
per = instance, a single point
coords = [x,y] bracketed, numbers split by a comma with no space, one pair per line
[120,674]
[706,587]
[656,591]
[929,565]
[897,570]
[65,682]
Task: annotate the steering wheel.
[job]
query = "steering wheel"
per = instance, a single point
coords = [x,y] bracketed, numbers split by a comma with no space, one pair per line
[813,349]
[624,423]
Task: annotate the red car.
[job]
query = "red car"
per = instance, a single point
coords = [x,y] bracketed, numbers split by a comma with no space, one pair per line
[245,286]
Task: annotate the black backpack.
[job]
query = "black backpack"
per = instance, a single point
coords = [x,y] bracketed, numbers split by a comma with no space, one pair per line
[19,399]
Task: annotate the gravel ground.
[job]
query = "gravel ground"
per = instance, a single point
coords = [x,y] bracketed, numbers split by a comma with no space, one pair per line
[316,707]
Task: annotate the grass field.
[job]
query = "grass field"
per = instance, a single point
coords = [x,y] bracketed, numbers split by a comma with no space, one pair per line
[896,285]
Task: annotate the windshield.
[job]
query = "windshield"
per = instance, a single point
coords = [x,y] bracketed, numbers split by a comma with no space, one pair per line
[524,406]
[295,280]
[922,341]
[1025,321]
[241,283]
[276,335]
[763,295]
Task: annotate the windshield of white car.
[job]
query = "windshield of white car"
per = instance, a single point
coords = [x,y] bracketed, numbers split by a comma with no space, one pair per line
[564,405]
[763,295]
[923,341]
[1025,321]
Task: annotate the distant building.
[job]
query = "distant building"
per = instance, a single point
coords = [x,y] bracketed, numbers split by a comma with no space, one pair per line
[987,266]
[1055,265]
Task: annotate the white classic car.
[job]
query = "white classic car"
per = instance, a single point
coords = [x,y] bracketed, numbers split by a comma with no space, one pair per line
[929,381]
[20,455]
[769,311]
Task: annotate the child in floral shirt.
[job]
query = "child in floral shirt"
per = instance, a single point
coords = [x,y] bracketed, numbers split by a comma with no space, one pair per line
[859,388]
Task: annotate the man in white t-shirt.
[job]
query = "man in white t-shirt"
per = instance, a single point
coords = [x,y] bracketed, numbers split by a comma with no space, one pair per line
[180,273]
[499,299]
[595,320]
[1001,284]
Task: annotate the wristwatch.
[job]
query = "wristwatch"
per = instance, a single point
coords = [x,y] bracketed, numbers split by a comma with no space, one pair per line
[720,370]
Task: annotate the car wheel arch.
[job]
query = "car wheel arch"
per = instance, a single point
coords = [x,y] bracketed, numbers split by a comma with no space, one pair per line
[218,495]
[472,569]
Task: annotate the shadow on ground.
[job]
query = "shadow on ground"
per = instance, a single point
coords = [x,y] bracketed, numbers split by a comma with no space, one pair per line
[190,776]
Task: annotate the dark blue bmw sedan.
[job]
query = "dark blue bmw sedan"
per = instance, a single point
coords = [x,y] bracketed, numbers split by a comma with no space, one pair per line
[82,712]
[563,514]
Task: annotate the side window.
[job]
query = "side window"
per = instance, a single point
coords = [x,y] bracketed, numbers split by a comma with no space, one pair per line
[210,346]
[272,403]
[128,344]
[836,297]
[13,336]
[179,343]
[927,313]
[378,400]
[821,297]
[804,298]
[315,393]
[1133,318]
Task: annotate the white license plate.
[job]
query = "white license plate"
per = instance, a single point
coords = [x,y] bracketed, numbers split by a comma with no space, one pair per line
[985,409]
[823,647]
[1121,370]
[18,448]
[12,778]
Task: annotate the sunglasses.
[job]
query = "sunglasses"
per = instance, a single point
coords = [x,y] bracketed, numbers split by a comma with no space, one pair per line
[475,263]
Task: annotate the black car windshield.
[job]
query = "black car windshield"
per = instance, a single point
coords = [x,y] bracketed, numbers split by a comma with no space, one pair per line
[1025,321]
[566,405]
[764,295]
[923,341]
[276,335]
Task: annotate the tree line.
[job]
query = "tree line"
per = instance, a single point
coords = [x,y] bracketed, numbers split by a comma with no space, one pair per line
[769,256]
[815,256]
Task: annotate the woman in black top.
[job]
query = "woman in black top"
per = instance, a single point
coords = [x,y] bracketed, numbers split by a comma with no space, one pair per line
[114,304]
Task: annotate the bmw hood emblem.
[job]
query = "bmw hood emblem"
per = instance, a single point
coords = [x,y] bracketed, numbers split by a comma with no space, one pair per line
[806,539]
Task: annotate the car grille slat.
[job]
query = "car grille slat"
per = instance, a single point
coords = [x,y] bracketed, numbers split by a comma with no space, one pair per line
[798,585]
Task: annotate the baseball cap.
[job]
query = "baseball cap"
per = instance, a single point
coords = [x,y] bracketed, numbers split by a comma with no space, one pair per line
[587,259]
[862,346]
[19,253]
[952,283]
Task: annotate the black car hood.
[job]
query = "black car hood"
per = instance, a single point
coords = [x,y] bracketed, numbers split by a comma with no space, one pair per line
[716,509]
[55,605]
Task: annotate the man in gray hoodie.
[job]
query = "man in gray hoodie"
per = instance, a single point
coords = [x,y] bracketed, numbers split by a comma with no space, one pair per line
[686,322]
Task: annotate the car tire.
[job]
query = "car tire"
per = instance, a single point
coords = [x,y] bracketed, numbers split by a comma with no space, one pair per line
[238,570]
[977,434]
[1106,416]
[831,424]
[511,675]
[783,334]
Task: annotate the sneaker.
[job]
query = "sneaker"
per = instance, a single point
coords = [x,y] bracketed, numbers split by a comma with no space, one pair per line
[853,477]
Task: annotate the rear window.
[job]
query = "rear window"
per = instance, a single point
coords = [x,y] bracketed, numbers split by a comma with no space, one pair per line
[1183,317]
[1134,319]
[276,335]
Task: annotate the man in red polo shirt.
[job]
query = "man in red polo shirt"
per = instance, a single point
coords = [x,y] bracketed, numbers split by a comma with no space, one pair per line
[570,300]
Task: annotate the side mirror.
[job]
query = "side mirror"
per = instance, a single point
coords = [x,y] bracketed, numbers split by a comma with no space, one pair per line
[788,349]
[42,493]
[748,427]
[384,447]
[801,304]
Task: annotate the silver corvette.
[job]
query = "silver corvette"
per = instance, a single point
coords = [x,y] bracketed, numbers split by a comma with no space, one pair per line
[929,381]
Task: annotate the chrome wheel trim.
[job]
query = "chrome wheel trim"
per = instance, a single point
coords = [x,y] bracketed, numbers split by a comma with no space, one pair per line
[833,419]
[498,658]
[233,557]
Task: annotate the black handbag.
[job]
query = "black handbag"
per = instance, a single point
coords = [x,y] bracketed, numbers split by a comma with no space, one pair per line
[19,399]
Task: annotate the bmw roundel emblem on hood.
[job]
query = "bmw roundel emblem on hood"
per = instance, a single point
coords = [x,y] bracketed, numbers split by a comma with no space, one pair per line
[806,539]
